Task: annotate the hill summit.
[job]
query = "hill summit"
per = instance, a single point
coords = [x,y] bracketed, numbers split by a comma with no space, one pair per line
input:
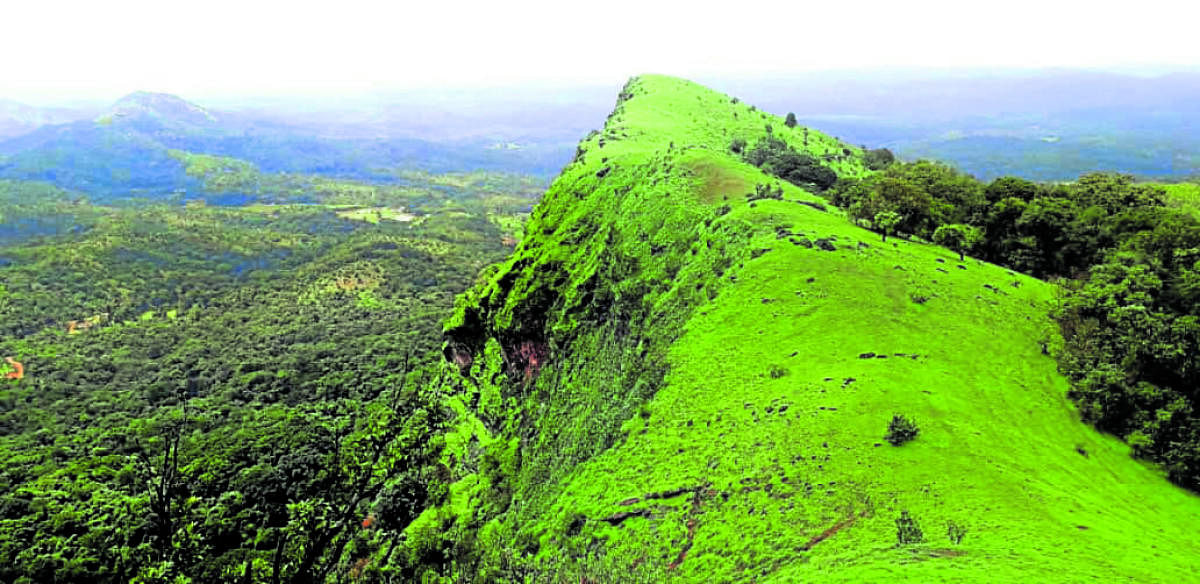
[691,370]
[158,107]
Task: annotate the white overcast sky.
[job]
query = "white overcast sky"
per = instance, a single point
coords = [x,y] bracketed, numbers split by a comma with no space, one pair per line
[51,50]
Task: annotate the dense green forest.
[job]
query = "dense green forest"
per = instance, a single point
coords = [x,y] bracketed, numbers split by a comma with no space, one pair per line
[218,394]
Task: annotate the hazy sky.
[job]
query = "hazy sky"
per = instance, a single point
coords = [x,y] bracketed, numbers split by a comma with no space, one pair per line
[57,51]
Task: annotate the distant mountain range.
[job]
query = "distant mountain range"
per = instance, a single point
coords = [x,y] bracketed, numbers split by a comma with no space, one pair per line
[124,151]
[17,118]
[1044,125]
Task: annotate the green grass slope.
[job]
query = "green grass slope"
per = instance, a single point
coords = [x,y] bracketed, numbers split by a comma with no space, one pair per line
[669,382]
[1185,195]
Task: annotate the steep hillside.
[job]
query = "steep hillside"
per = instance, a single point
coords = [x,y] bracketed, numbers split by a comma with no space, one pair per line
[670,380]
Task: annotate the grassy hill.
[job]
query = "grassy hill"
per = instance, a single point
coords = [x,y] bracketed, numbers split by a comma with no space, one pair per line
[670,381]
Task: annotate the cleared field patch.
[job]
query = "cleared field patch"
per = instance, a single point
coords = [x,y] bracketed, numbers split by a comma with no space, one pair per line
[377,214]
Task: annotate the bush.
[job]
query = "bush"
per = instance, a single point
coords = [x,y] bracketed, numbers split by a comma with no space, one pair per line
[907,530]
[762,191]
[738,145]
[901,430]
[955,532]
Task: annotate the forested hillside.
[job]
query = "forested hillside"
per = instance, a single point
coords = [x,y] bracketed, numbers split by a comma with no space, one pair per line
[217,394]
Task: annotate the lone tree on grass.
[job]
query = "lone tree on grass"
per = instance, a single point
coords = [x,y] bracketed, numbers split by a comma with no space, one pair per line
[886,222]
[958,237]
[790,120]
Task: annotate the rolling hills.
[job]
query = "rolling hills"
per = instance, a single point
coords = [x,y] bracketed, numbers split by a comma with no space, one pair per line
[17,118]
[674,378]
[133,150]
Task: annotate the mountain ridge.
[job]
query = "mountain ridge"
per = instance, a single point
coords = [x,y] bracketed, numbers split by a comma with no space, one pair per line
[675,378]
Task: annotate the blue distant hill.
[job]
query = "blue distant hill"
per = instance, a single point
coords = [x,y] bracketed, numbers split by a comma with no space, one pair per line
[124,152]
[1042,125]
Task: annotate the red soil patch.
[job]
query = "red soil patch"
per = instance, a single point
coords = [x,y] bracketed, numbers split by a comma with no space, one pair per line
[20,369]
[698,497]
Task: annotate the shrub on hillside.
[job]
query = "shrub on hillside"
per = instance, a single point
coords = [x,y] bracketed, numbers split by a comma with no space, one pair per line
[955,532]
[907,530]
[926,194]
[766,192]
[900,430]
[919,296]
